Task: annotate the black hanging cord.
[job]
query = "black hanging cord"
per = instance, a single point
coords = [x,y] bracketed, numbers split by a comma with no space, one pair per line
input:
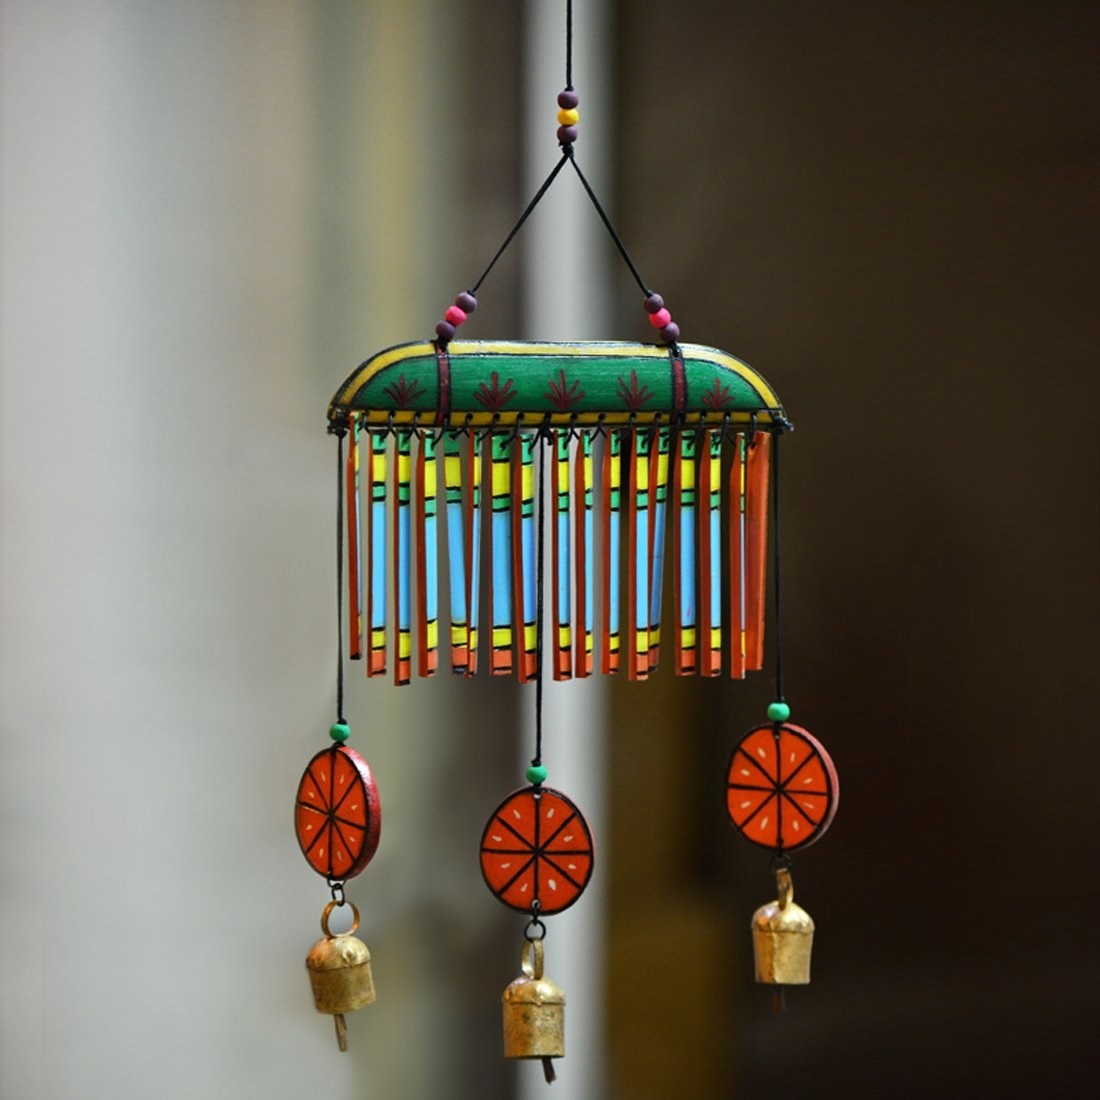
[540,552]
[522,218]
[776,564]
[611,229]
[569,44]
[340,577]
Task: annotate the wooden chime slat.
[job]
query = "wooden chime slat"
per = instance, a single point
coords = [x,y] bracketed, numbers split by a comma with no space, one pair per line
[355,577]
[473,549]
[658,488]
[500,554]
[456,552]
[376,587]
[683,555]
[585,552]
[710,548]
[611,516]
[562,596]
[736,527]
[523,559]
[427,556]
[402,558]
[638,571]
[756,544]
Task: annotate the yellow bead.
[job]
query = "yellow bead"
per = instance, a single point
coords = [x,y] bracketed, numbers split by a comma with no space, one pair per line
[568,118]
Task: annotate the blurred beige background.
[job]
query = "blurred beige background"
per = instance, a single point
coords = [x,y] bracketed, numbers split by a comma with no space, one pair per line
[213,210]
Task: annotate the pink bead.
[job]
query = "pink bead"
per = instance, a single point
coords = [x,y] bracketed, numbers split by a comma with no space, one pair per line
[454,316]
[660,318]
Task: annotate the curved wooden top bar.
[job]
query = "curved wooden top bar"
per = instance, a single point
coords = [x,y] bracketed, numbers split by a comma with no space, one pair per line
[489,381]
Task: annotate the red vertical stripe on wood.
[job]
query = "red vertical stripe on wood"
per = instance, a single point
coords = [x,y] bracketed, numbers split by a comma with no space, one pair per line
[736,561]
[756,547]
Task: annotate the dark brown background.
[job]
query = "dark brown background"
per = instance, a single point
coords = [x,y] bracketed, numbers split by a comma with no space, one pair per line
[884,207]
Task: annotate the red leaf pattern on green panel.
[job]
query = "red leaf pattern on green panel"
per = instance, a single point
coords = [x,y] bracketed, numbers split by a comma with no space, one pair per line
[402,392]
[563,396]
[634,396]
[718,397]
[494,396]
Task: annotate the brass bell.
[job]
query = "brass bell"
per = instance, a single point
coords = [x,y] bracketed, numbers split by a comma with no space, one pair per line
[782,937]
[339,971]
[534,1013]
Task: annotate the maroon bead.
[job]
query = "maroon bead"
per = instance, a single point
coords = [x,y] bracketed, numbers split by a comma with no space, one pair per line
[445,331]
[670,333]
[568,99]
[567,135]
[466,302]
[654,303]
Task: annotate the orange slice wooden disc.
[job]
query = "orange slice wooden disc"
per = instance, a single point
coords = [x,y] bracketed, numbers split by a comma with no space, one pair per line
[337,815]
[537,848]
[782,787]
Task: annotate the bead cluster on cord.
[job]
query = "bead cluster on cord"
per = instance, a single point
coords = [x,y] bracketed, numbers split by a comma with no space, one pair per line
[661,319]
[456,315]
[568,117]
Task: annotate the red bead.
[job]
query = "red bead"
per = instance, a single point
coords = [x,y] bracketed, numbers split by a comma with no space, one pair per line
[670,333]
[653,303]
[466,302]
[568,99]
[660,318]
[445,331]
[455,315]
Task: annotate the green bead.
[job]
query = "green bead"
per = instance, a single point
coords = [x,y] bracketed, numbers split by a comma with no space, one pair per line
[536,774]
[778,712]
[339,731]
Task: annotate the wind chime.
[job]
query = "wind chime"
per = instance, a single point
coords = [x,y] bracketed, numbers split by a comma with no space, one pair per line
[671,451]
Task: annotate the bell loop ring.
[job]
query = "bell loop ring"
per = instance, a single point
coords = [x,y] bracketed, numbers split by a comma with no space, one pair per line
[328,913]
[531,961]
[785,887]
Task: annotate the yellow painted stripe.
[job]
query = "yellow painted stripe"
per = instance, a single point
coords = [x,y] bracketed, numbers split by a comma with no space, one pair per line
[404,644]
[502,636]
[565,637]
[687,638]
[458,634]
[530,638]
[433,633]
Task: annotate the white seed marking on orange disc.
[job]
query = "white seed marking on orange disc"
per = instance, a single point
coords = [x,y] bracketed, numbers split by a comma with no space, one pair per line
[763,824]
[495,837]
[355,805]
[505,866]
[747,802]
[549,813]
[762,754]
[795,825]
[324,777]
[340,856]
[516,814]
[566,839]
[744,771]
[805,781]
[343,780]
[320,851]
[792,757]
[309,828]
[551,883]
[523,888]
[571,866]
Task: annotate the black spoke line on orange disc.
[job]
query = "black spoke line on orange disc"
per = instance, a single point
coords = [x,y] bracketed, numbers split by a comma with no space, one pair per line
[310,806]
[343,839]
[518,835]
[511,882]
[779,787]
[748,787]
[351,824]
[537,848]
[812,756]
[332,775]
[562,871]
[803,811]
[320,790]
[757,810]
[316,836]
[554,835]
[505,851]
[768,778]
[356,782]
